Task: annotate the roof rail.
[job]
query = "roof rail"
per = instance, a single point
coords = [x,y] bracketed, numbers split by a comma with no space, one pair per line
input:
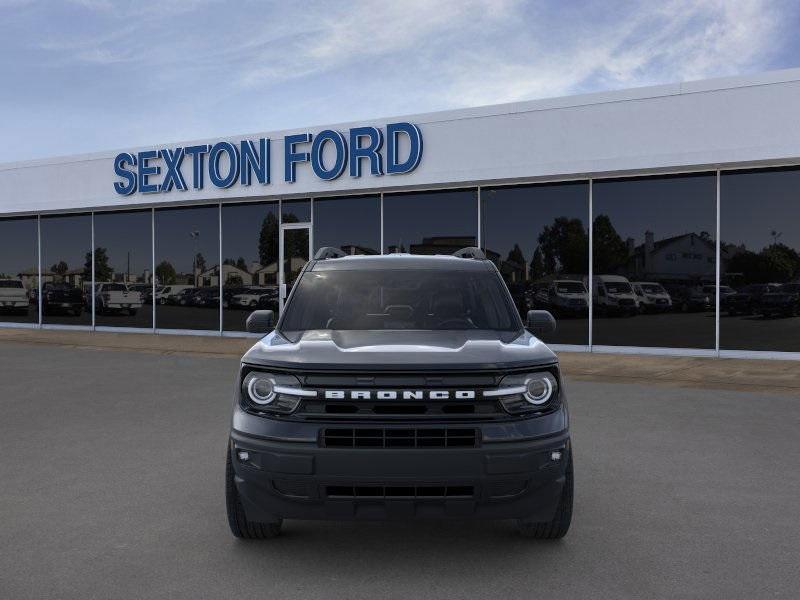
[470,252]
[329,252]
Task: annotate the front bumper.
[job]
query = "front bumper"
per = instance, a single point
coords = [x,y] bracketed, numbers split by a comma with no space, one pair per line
[512,479]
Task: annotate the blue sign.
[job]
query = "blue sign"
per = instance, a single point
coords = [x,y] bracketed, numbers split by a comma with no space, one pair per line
[330,153]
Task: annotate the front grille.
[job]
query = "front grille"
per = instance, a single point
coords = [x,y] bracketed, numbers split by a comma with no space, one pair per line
[451,409]
[382,492]
[325,410]
[439,437]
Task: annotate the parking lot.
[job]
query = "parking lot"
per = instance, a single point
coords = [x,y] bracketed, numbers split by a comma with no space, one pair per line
[112,487]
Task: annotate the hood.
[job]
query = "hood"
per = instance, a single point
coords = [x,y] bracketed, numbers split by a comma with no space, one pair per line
[400,351]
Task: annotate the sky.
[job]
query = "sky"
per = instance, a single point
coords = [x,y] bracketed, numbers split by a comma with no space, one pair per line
[91,75]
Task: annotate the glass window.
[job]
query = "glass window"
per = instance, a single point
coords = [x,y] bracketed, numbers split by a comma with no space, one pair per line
[654,231]
[401,300]
[760,260]
[123,263]
[250,261]
[430,222]
[19,270]
[67,269]
[187,270]
[538,237]
[352,224]
[296,211]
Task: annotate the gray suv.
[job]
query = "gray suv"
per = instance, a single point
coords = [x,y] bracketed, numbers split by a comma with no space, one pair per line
[397,387]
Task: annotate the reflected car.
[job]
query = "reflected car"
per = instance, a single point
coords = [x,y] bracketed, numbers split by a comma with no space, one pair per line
[61,298]
[785,301]
[691,299]
[250,297]
[207,297]
[116,298]
[613,294]
[747,300]
[652,297]
[183,297]
[13,297]
[566,297]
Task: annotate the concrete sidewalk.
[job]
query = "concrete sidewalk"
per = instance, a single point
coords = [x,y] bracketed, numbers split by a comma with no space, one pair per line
[773,376]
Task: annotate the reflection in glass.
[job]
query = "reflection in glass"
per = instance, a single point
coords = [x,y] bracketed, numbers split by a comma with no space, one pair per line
[538,237]
[19,270]
[295,254]
[352,224]
[250,261]
[187,269]
[760,260]
[122,269]
[296,211]
[67,269]
[430,222]
[654,258]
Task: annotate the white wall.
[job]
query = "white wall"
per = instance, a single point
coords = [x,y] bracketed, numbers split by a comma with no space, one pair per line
[732,121]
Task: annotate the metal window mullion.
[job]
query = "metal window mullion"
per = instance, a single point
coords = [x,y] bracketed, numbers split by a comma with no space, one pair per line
[91,291]
[39,267]
[153,265]
[219,268]
[717,267]
[311,232]
[591,263]
[480,234]
[381,211]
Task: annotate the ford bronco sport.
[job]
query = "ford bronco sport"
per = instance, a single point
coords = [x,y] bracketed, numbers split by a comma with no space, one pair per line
[399,386]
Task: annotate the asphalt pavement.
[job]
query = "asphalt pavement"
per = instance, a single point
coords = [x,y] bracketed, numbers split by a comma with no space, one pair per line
[111,486]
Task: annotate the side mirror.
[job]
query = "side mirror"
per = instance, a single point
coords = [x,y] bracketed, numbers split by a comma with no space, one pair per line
[540,322]
[260,321]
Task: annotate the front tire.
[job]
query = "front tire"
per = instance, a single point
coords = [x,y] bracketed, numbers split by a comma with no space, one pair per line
[558,527]
[237,520]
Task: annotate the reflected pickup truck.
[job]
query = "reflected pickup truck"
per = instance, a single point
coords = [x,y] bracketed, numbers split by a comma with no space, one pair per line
[13,296]
[399,387]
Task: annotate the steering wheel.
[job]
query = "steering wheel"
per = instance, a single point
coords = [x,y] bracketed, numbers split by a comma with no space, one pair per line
[456,321]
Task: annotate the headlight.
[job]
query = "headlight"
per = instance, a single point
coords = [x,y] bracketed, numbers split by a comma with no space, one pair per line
[529,392]
[267,392]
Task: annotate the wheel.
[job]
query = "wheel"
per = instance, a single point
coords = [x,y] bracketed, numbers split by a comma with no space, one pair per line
[237,520]
[558,527]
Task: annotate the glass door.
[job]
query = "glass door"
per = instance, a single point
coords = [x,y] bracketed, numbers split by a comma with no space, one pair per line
[295,250]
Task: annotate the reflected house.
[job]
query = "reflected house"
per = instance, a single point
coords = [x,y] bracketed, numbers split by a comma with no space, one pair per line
[352,250]
[686,257]
[29,278]
[210,277]
[437,245]
[73,277]
[267,276]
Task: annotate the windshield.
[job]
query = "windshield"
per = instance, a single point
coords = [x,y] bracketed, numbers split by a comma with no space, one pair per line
[570,287]
[618,288]
[400,300]
[10,283]
[652,288]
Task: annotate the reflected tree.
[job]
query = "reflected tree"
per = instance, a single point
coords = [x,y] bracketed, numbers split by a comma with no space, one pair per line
[610,251]
[165,273]
[268,241]
[565,246]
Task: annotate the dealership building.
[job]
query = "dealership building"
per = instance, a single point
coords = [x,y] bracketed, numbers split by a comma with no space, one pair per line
[653,220]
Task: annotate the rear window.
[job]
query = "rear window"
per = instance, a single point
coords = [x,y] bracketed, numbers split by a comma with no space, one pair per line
[618,288]
[400,300]
[651,288]
[10,284]
[570,287]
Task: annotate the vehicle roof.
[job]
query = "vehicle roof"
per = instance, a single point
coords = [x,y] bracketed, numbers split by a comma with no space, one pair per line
[400,261]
